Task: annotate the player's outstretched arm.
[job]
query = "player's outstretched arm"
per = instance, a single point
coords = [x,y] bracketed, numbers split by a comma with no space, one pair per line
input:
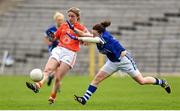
[91,39]
[87,39]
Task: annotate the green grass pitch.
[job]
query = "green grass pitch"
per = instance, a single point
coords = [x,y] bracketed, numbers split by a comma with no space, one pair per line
[115,93]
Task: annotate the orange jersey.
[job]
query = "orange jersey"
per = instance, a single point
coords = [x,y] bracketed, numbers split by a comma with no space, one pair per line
[65,40]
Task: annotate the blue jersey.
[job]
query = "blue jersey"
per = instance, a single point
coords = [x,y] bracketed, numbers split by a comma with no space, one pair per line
[112,48]
[50,34]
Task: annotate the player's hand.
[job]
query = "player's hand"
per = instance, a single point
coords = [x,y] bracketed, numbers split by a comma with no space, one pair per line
[72,37]
[70,25]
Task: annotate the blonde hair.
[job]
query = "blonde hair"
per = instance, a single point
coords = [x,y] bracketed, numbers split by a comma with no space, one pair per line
[76,11]
[58,14]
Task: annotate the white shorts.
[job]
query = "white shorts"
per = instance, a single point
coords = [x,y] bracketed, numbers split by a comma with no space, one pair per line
[126,64]
[65,55]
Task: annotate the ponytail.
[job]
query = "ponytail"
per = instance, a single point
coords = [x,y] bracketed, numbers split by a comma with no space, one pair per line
[102,26]
[106,23]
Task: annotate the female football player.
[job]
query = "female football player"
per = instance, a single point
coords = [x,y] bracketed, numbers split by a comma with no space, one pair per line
[64,55]
[117,59]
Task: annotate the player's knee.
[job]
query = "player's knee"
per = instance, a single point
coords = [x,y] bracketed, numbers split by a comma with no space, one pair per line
[48,70]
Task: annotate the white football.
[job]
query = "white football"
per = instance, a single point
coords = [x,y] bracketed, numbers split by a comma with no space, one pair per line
[36,75]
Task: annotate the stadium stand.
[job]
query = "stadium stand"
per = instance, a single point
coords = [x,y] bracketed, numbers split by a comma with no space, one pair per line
[149,29]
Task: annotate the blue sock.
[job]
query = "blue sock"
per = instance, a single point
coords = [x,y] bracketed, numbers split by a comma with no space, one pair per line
[158,81]
[91,89]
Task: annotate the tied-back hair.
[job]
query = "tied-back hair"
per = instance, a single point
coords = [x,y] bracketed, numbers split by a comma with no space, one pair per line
[100,28]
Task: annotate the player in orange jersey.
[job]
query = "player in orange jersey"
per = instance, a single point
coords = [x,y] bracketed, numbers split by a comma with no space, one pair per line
[64,55]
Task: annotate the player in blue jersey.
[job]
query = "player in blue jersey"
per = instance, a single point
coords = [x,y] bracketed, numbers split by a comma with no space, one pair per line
[118,59]
[49,36]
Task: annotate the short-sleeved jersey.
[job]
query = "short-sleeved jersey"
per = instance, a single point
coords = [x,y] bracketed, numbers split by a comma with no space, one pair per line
[112,48]
[65,40]
[49,34]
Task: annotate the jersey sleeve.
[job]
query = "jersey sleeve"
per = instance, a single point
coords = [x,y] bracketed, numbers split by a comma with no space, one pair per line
[49,33]
[84,29]
[45,35]
[81,27]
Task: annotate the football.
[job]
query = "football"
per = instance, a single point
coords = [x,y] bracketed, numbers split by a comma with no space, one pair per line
[36,75]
